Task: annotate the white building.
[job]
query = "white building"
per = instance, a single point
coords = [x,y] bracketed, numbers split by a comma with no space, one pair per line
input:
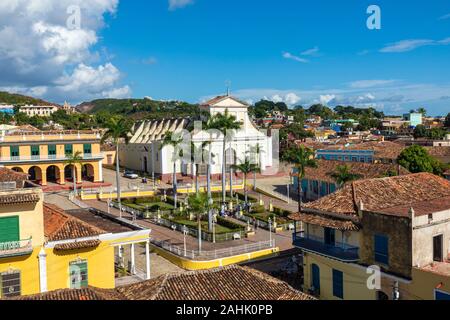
[143,152]
[40,111]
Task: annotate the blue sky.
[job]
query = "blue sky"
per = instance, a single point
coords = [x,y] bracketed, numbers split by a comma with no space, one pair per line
[300,52]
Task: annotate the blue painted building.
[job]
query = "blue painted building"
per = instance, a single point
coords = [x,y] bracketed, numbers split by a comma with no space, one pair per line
[366,156]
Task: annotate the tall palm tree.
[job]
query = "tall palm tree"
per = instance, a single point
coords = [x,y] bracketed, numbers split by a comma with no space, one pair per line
[73,160]
[301,158]
[256,151]
[198,151]
[118,129]
[246,167]
[174,140]
[342,175]
[199,205]
[225,123]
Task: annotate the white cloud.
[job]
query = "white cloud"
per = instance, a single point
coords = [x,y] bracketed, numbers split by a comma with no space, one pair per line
[409,45]
[326,98]
[118,93]
[292,98]
[177,4]
[392,98]
[290,56]
[150,61]
[311,52]
[40,53]
[370,83]
[446,16]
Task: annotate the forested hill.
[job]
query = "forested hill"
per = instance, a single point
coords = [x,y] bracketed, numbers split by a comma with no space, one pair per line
[18,99]
[140,108]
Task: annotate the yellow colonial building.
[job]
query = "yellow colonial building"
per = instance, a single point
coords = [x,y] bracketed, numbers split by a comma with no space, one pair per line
[42,248]
[44,154]
[386,238]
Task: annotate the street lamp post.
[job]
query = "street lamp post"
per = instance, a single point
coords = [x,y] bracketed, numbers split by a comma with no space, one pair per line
[214,217]
[289,199]
[185,232]
[270,230]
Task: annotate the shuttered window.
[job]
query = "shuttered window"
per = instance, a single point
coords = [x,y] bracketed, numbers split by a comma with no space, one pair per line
[381,244]
[338,284]
[87,148]
[10,284]
[14,150]
[78,274]
[51,149]
[35,150]
[68,149]
[9,229]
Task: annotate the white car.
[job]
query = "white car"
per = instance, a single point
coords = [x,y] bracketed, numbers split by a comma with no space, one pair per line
[130,175]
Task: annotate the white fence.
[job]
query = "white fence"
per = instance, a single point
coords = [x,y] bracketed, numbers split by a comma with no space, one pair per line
[214,254]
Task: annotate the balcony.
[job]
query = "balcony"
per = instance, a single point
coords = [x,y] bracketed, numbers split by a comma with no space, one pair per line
[16,248]
[340,251]
[46,158]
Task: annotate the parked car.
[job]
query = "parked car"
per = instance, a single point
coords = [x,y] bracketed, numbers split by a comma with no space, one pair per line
[130,175]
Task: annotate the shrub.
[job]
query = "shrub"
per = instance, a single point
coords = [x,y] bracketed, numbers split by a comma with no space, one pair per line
[258,209]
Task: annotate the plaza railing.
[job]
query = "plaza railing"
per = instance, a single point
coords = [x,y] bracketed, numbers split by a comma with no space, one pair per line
[213,254]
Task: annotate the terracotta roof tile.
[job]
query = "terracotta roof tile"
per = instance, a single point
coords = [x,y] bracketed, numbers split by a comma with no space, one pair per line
[325,169]
[226,283]
[381,194]
[19,198]
[326,221]
[8,175]
[60,226]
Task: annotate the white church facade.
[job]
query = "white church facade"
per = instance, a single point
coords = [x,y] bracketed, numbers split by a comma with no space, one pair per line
[144,153]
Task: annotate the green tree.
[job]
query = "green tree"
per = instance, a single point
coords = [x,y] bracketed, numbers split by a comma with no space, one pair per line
[199,151]
[226,124]
[256,151]
[73,160]
[118,129]
[246,167]
[198,204]
[423,111]
[342,175]
[420,131]
[302,158]
[174,140]
[447,121]
[417,159]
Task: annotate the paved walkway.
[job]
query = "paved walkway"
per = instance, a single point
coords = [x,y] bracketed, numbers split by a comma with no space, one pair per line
[283,240]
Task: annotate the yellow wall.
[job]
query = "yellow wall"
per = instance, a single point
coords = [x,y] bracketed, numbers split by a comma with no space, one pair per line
[31,219]
[201,265]
[355,278]
[423,284]
[100,263]
[29,270]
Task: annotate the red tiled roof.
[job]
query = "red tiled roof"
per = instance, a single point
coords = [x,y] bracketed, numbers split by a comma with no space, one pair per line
[19,198]
[385,194]
[325,221]
[219,99]
[60,226]
[8,175]
[325,169]
[225,283]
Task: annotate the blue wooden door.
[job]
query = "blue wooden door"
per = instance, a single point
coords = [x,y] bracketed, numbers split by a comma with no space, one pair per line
[315,271]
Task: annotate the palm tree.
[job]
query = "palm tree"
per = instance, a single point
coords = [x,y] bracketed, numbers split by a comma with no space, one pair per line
[199,205]
[73,160]
[301,158]
[174,140]
[342,175]
[256,150]
[225,123]
[246,167]
[118,129]
[196,153]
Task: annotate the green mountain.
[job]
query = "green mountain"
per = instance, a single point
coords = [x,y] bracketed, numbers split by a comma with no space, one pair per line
[18,99]
[140,108]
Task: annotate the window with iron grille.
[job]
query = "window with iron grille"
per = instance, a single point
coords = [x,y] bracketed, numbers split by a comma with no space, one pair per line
[10,284]
[78,271]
